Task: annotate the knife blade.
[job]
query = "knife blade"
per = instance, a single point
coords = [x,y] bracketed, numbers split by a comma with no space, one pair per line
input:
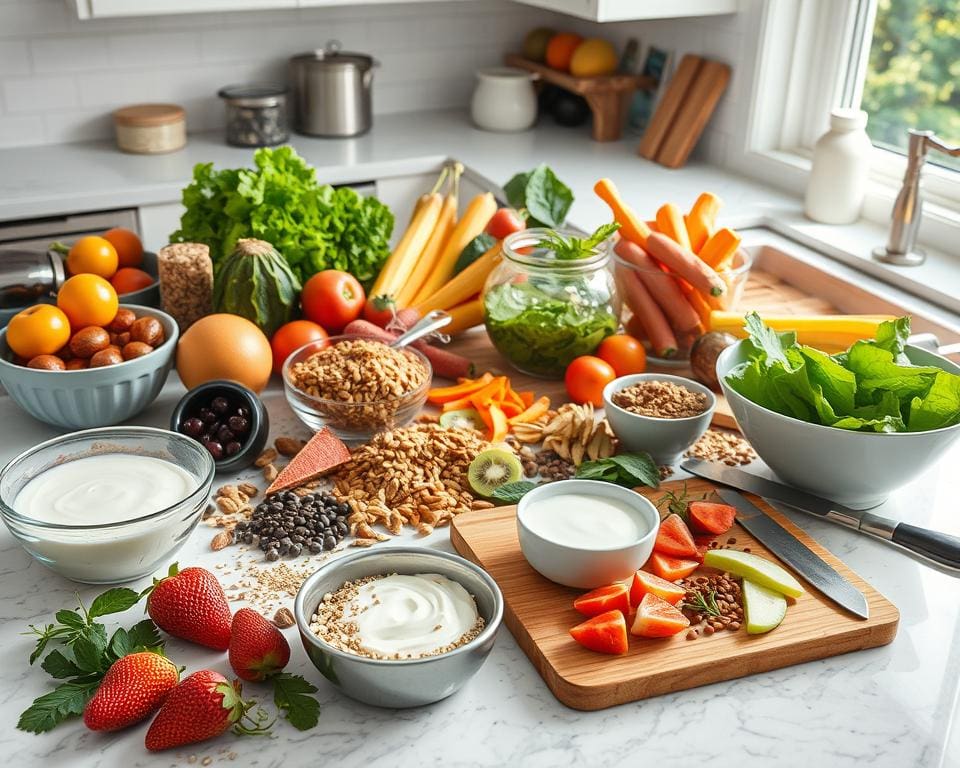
[813,568]
[941,549]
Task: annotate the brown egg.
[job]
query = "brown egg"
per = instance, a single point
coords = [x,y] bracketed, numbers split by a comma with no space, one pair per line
[88,341]
[224,346]
[47,363]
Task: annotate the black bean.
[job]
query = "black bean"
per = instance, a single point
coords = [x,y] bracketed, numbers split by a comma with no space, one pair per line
[316,548]
[295,550]
[273,554]
[329,542]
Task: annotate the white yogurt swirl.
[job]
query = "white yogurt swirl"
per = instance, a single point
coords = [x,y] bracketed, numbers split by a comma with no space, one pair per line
[411,615]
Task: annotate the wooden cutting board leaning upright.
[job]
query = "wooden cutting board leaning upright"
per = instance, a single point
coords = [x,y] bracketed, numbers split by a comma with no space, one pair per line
[540,614]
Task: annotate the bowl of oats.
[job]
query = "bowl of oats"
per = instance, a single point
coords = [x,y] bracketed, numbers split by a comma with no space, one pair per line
[399,627]
[356,386]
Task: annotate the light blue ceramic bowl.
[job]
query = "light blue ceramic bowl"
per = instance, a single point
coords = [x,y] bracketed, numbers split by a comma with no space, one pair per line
[93,397]
[858,469]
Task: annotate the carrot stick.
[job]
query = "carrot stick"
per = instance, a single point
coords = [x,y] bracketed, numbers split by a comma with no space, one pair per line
[702,219]
[645,309]
[719,250]
[653,226]
[630,226]
[699,304]
[439,395]
[686,264]
[670,223]
[662,286]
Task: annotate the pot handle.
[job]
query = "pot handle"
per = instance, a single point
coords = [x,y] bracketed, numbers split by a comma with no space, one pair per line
[368,75]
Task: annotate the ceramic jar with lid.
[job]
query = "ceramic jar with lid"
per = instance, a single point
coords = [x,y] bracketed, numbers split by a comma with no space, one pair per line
[147,129]
[504,100]
[841,162]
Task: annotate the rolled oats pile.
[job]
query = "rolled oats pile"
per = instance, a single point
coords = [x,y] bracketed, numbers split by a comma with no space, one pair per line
[661,400]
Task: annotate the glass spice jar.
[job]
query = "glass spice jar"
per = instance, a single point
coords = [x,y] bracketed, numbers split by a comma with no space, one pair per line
[256,114]
[542,311]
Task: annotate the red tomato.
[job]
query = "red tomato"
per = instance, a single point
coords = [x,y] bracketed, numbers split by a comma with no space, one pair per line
[333,299]
[586,377]
[625,354]
[130,279]
[291,336]
[380,310]
[505,222]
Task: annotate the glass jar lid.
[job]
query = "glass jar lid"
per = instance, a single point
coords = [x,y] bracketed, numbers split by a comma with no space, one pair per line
[254,94]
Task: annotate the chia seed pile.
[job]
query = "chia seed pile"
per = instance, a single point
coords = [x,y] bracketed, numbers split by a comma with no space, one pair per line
[287,525]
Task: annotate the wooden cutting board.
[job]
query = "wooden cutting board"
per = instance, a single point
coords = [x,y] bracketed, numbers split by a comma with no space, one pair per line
[540,613]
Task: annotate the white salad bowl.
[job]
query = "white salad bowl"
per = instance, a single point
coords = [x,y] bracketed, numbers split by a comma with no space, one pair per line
[586,567]
[858,469]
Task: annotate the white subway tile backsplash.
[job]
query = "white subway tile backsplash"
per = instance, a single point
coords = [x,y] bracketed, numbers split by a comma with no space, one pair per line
[146,49]
[38,94]
[20,130]
[68,54]
[14,58]
[76,125]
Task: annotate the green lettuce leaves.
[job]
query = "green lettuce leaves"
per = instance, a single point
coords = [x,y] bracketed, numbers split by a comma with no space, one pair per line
[313,226]
[872,387]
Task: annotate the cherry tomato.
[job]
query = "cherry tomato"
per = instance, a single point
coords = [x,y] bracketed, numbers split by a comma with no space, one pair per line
[505,222]
[127,244]
[333,299]
[586,377]
[38,330]
[92,255]
[624,353]
[130,279]
[88,300]
[380,310]
[291,336]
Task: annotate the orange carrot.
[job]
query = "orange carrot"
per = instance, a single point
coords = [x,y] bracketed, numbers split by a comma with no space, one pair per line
[645,310]
[699,304]
[630,226]
[719,250]
[653,226]
[662,286]
[670,223]
[526,398]
[696,272]
[440,395]
[499,426]
[702,219]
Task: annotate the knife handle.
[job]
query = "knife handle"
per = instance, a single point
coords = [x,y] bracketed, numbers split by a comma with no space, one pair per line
[942,547]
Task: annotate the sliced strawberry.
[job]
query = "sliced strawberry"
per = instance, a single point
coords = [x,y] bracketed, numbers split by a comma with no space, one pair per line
[674,538]
[657,618]
[647,584]
[670,568]
[710,517]
[606,633]
[615,597]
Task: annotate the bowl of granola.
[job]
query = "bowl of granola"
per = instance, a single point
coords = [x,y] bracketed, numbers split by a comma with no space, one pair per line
[356,386]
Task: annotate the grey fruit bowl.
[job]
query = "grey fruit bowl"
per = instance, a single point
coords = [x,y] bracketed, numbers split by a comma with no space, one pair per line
[93,397]
[405,682]
[858,469]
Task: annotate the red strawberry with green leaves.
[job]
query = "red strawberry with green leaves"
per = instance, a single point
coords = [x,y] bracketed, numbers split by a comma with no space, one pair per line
[202,707]
[191,604]
[257,648]
[131,690]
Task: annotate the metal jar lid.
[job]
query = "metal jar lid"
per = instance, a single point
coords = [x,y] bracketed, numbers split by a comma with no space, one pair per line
[331,57]
[254,95]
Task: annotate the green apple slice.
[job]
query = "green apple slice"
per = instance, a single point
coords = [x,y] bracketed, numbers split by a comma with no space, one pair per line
[764,609]
[756,569]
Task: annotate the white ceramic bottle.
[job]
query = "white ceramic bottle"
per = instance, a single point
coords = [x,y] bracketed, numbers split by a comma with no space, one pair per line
[504,100]
[841,162]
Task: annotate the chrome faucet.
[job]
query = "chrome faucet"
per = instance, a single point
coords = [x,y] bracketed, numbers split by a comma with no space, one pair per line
[901,247]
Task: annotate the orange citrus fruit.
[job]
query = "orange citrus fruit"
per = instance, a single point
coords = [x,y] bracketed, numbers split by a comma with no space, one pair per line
[88,300]
[127,244]
[92,255]
[560,50]
[130,279]
[38,330]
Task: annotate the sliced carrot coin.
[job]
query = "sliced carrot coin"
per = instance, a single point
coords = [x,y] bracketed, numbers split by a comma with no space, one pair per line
[657,618]
[606,633]
[645,583]
[613,597]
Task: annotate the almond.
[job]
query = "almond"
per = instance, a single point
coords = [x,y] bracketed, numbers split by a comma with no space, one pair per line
[148,330]
[283,618]
[122,320]
[109,356]
[221,540]
[135,349]
[288,446]
[47,363]
[267,457]
[86,342]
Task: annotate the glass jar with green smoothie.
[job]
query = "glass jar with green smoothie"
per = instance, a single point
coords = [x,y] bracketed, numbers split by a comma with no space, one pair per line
[551,299]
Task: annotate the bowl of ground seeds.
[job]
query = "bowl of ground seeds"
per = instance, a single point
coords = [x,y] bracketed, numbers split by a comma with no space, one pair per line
[658,413]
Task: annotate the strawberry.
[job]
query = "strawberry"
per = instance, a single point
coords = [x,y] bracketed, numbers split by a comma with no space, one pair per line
[191,604]
[257,648]
[133,688]
[203,706]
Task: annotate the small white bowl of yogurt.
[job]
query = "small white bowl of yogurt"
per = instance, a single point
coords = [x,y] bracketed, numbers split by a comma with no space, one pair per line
[586,533]
[106,506]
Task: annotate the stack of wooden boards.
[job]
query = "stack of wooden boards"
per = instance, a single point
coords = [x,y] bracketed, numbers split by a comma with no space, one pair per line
[687,104]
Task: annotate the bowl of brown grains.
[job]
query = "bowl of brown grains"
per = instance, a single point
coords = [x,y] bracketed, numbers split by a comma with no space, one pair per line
[658,413]
[356,386]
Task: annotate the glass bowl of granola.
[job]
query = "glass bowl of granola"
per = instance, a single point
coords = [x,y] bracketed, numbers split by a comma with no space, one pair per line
[356,386]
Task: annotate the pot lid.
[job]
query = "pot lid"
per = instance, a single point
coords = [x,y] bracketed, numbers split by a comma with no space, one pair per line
[332,56]
[254,94]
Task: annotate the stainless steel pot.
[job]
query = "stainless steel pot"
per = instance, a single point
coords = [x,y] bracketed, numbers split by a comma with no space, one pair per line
[332,91]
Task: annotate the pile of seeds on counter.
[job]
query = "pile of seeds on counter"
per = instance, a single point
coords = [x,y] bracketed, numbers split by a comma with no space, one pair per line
[414,475]
[712,603]
[288,524]
[726,447]
[661,400]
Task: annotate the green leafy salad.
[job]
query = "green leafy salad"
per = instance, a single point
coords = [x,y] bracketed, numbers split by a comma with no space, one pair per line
[312,225]
[872,387]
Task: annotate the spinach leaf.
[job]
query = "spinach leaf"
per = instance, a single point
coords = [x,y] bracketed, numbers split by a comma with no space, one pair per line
[627,469]
[546,199]
[511,493]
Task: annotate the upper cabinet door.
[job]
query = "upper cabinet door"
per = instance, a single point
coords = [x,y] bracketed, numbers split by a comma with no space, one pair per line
[630,10]
[95,9]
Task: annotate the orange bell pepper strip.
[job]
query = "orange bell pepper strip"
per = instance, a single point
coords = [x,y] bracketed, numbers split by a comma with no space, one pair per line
[488,390]
[511,409]
[526,398]
[534,412]
[499,425]
[441,395]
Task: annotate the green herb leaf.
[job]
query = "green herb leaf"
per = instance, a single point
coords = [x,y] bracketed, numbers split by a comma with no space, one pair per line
[940,407]
[573,248]
[626,469]
[57,665]
[64,701]
[114,600]
[88,649]
[291,695]
[473,251]
[511,493]
[546,199]
[70,619]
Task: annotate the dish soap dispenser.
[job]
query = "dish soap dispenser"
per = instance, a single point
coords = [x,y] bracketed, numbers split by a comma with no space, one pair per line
[841,162]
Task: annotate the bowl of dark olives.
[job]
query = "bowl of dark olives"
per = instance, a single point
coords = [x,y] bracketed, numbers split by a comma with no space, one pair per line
[228,419]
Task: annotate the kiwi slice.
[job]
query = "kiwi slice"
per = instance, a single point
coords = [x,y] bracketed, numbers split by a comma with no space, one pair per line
[492,468]
[465,418]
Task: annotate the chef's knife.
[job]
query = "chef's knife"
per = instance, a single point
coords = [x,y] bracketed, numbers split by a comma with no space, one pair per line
[940,548]
[796,554]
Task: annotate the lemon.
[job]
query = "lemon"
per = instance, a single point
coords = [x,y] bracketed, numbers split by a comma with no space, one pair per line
[593,57]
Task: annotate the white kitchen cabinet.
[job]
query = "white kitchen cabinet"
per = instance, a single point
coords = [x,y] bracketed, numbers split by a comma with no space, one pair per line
[631,10]
[98,9]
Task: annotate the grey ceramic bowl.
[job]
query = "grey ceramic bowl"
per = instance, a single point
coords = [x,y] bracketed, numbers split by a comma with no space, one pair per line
[858,469]
[403,683]
[149,296]
[93,397]
[664,439]
[585,568]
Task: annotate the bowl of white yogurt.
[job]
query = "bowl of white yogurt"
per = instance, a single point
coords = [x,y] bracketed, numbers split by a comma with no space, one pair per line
[400,626]
[108,505]
[586,533]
